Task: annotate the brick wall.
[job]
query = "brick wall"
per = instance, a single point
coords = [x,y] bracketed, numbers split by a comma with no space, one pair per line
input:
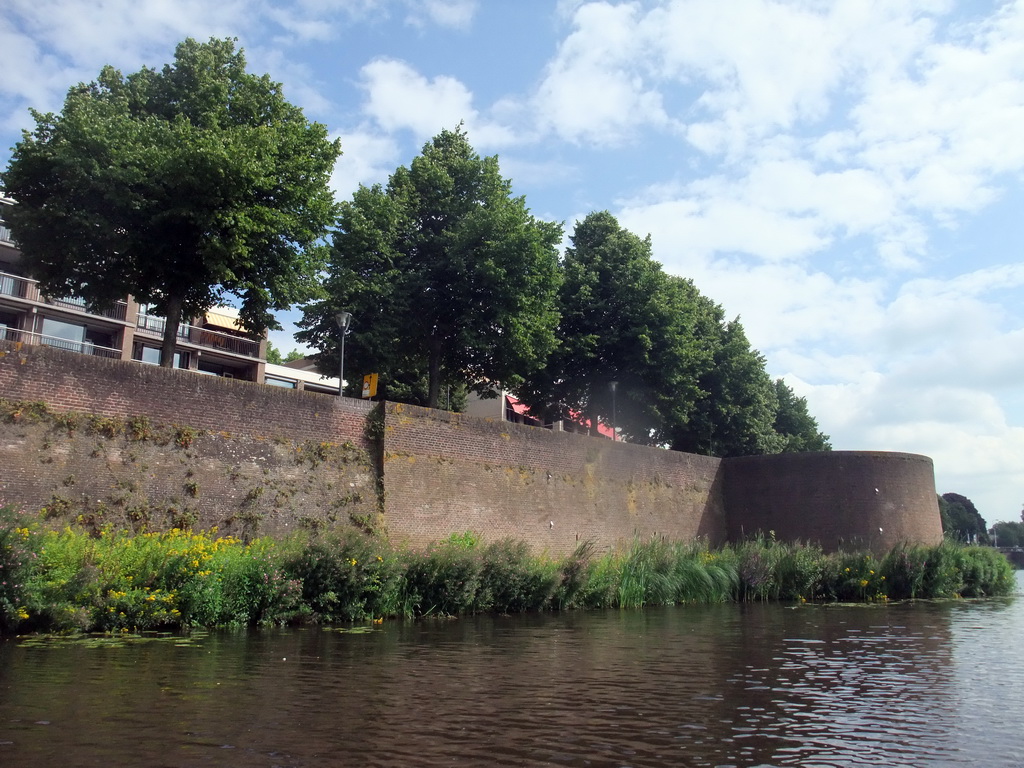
[447,472]
[260,468]
[265,459]
[71,382]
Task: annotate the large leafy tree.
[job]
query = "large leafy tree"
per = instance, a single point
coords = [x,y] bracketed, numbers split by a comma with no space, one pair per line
[183,187]
[622,324]
[960,518]
[449,277]
[795,424]
[736,414]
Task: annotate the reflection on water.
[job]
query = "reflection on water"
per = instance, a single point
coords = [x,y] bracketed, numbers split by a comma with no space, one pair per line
[926,684]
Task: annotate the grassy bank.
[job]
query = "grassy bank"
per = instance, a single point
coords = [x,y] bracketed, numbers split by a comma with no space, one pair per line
[72,581]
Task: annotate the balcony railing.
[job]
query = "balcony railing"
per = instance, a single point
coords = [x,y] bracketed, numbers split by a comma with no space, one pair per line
[12,285]
[156,325]
[82,347]
[202,337]
[23,288]
[117,312]
[5,234]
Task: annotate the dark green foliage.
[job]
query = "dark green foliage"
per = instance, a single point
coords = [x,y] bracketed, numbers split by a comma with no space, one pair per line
[17,551]
[984,572]
[274,355]
[449,278]
[1008,534]
[345,576]
[444,580]
[903,568]
[73,581]
[961,519]
[617,324]
[684,376]
[184,187]
[795,424]
[575,575]
[736,415]
[513,581]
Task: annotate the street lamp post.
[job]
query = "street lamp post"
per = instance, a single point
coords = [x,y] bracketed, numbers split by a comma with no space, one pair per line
[614,385]
[344,320]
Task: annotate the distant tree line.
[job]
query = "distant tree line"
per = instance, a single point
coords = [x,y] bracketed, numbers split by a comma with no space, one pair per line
[961,519]
[199,184]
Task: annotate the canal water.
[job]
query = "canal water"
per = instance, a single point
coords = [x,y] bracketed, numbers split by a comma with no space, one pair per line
[917,684]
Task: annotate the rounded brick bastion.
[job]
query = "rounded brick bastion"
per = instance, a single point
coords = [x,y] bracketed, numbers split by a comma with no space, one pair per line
[838,499]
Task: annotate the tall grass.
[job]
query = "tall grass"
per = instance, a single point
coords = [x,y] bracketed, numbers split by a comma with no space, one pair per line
[72,581]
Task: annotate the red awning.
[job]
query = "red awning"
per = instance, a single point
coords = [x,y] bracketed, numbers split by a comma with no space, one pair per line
[521,408]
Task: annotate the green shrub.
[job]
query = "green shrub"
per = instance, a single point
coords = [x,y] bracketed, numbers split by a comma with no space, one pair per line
[942,576]
[800,572]
[756,568]
[574,574]
[444,580]
[65,581]
[855,577]
[18,542]
[985,572]
[346,576]
[512,581]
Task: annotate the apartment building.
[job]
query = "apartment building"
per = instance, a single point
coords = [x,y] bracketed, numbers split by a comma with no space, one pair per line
[214,344]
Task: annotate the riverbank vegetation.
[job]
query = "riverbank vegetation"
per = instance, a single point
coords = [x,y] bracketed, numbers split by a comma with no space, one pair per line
[70,580]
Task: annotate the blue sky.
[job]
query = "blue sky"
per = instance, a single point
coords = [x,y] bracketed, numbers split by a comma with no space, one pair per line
[845,176]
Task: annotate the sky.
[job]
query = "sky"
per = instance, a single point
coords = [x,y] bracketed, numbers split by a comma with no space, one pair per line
[845,176]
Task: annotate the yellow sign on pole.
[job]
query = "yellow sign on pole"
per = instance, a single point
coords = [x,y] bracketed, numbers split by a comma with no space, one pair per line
[369,386]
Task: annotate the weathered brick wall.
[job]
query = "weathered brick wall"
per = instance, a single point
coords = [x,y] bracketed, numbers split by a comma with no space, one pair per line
[853,498]
[72,382]
[447,473]
[263,460]
[271,459]
[244,486]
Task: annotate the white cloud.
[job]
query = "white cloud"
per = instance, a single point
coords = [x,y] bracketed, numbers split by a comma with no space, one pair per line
[368,158]
[400,98]
[594,90]
[457,14]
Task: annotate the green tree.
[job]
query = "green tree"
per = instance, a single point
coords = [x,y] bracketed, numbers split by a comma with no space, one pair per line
[623,320]
[794,423]
[181,187]
[1008,534]
[449,278]
[736,415]
[274,355]
[960,518]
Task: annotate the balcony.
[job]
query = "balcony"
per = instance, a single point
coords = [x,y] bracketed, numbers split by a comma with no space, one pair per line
[22,288]
[202,337]
[5,234]
[82,347]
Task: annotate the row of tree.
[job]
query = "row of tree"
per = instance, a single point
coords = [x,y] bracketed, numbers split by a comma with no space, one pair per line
[200,184]
[962,521]
[456,285]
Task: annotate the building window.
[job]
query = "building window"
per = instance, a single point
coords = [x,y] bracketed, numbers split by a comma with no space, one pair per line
[274,382]
[151,356]
[57,333]
[224,371]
